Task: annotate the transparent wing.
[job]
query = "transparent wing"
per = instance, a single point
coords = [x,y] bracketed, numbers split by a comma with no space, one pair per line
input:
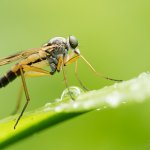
[23,54]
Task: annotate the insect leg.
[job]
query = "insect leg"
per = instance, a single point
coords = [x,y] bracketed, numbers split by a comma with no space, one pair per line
[74,57]
[76,74]
[61,64]
[39,72]
[97,73]
[19,100]
[26,94]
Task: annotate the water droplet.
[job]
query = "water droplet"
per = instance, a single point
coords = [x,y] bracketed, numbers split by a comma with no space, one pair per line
[74,92]
[75,105]
[58,109]
[47,109]
[115,85]
[114,98]
[98,109]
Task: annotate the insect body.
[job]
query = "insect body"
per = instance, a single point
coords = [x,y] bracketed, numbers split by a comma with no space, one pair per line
[54,54]
[49,54]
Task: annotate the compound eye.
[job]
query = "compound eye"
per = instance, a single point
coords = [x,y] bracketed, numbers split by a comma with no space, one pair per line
[73,42]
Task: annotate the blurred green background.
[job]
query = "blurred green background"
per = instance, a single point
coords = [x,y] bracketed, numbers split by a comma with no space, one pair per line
[114,35]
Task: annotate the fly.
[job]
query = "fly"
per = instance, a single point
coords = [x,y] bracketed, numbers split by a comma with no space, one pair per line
[54,54]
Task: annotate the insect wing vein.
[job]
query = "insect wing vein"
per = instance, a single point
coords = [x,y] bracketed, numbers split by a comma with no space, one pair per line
[23,54]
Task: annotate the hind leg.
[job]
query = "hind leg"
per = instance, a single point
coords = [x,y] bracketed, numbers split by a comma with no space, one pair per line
[18,100]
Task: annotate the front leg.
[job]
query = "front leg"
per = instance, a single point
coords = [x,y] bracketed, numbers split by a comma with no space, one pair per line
[55,62]
[60,63]
[72,57]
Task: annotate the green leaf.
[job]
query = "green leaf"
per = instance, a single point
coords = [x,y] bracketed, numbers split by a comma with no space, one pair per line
[134,90]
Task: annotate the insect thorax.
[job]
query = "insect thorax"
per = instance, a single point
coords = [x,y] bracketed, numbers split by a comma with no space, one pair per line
[60,50]
[62,46]
[57,40]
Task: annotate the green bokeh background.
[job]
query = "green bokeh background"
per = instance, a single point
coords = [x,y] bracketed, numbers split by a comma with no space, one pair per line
[114,35]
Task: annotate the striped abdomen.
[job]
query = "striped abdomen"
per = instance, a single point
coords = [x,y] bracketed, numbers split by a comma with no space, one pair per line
[10,76]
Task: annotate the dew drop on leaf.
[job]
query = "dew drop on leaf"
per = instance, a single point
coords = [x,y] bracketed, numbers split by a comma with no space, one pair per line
[73,91]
